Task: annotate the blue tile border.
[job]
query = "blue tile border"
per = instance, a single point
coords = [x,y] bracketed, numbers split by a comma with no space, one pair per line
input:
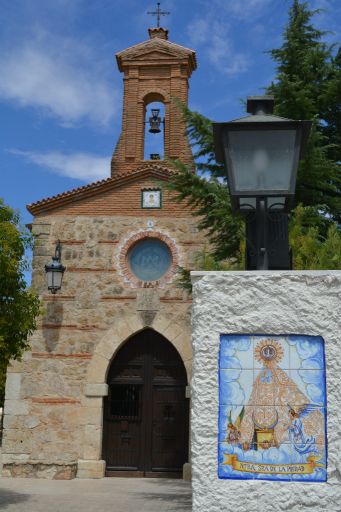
[235,471]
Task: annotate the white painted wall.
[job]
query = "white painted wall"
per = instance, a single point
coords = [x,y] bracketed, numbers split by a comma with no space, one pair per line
[293,302]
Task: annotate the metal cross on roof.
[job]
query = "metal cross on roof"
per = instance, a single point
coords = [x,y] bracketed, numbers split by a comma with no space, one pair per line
[158,13]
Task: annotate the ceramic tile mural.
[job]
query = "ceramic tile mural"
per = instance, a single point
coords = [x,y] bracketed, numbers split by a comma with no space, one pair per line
[272,408]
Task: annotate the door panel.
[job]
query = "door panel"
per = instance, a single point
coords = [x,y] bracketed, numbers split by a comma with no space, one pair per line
[123,418]
[169,442]
[145,427]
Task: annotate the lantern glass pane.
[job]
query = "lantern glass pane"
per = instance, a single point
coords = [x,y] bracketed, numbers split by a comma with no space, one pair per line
[58,276]
[262,159]
[49,275]
[54,278]
[276,203]
[250,203]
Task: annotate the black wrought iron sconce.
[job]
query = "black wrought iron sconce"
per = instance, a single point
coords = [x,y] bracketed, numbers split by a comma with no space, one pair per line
[55,270]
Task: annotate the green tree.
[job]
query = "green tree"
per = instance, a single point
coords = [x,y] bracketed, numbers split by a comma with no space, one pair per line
[332,109]
[19,306]
[311,250]
[307,86]
[210,201]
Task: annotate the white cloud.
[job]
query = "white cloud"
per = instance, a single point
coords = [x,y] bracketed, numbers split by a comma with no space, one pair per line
[80,166]
[199,31]
[222,55]
[213,36]
[61,77]
[243,8]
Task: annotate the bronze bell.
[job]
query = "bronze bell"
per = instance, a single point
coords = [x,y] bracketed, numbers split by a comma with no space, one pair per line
[155,121]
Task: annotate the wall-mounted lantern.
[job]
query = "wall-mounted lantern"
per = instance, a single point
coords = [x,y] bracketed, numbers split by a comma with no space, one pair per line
[55,270]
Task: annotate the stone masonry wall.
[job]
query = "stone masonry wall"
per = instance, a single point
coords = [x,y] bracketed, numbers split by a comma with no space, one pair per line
[301,302]
[53,408]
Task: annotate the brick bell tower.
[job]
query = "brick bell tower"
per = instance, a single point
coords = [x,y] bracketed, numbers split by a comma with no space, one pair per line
[155,70]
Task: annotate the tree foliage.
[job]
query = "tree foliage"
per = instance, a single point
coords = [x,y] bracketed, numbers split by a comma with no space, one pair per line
[19,306]
[205,260]
[210,202]
[307,86]
[311,250]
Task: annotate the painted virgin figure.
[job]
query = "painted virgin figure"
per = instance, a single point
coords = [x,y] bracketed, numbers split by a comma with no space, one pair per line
[277,411]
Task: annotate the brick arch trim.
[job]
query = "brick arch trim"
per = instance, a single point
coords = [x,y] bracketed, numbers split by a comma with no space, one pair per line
[157,91]
[122,331]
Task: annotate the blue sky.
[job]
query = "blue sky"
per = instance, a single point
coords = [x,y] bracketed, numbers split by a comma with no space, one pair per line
[61,92]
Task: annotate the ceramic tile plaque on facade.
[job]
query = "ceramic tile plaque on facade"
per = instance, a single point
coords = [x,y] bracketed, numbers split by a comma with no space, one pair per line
[272,408]
[151,198]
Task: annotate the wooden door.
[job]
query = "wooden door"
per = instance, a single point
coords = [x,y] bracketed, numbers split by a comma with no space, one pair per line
[145,428]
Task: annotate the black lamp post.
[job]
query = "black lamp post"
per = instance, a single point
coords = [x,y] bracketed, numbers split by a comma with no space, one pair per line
[261,154]
[55,270]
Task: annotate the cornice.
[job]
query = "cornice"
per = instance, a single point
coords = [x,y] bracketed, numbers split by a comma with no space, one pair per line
[169,49]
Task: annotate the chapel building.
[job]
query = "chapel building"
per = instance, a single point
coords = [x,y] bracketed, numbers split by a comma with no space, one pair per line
[104,389]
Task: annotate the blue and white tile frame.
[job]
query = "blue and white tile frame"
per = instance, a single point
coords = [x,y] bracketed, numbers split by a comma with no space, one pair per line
[272,408]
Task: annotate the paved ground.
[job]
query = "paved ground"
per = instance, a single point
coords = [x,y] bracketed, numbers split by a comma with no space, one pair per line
[106,495]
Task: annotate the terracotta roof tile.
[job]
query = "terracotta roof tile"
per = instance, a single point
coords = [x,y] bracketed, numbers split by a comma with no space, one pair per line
[96,186]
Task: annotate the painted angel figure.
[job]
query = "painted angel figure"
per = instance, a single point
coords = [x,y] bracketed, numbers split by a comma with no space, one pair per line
[233,432]
[301,442]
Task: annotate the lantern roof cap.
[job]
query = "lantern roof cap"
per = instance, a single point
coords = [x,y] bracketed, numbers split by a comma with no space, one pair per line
[260,104]
[261,118]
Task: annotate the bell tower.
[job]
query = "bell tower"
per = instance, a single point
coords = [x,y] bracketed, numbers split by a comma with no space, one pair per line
[155,70]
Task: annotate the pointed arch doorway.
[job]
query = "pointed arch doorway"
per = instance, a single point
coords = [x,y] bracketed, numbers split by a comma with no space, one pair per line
[146,413]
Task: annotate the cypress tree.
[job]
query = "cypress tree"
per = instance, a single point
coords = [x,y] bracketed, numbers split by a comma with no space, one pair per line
[308,86]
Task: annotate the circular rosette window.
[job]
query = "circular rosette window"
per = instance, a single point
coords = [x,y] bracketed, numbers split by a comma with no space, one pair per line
[149,259]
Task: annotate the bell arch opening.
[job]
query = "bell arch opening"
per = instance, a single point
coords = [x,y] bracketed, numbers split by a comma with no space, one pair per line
[146,412]
[154,127]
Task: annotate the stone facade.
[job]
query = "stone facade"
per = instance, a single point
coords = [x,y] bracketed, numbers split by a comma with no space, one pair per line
[277,303]
[53,410]
[54,396]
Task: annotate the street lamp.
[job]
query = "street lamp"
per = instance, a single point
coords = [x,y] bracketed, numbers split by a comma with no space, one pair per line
[55,270]
[261,154]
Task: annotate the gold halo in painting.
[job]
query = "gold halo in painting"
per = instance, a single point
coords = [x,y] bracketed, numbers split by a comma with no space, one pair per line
[269,352]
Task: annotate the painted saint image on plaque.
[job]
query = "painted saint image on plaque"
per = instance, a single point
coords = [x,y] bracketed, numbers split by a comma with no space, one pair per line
[272,408]
[151,198]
